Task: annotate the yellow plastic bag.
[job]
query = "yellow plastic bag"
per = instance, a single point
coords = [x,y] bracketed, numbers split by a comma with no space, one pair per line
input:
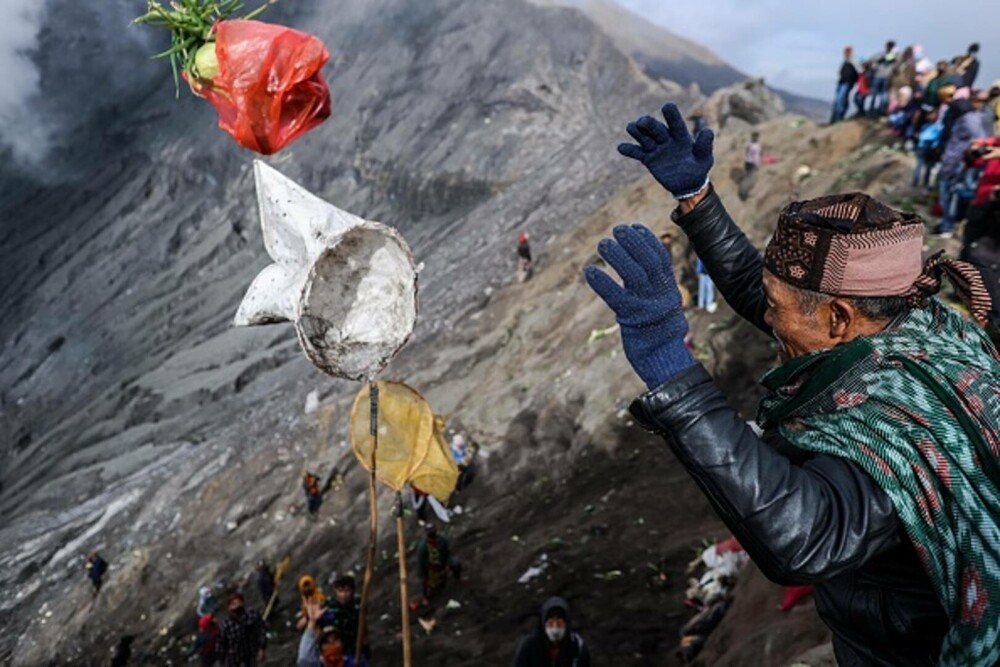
[410,448]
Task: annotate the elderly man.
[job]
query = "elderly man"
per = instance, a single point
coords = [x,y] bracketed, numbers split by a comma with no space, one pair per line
[878,476]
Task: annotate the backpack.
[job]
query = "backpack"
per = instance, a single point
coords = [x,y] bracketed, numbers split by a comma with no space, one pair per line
[930,135]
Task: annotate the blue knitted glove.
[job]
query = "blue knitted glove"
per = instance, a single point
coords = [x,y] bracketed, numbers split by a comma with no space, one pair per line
[647,304]
[680,163]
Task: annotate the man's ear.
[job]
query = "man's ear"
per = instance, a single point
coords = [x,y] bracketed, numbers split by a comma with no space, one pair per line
[842,316]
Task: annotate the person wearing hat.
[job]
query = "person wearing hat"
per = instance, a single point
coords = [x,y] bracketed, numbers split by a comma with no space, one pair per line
[553,644]
[243,636]
[877,477]
[310,592]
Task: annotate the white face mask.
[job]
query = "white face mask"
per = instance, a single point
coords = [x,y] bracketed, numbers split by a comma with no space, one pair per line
[555,634]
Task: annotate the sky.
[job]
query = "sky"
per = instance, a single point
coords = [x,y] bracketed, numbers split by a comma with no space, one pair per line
[796,44]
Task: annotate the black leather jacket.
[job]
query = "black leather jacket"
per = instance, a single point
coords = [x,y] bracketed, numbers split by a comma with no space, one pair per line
[803,518]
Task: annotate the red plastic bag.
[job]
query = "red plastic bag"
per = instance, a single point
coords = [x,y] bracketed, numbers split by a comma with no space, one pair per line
[269,90]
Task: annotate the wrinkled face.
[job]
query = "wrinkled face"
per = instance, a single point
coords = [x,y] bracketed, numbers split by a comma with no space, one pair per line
[798,333]
[344,594]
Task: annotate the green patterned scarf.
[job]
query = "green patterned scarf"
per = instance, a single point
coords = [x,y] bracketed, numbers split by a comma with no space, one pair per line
[917,406]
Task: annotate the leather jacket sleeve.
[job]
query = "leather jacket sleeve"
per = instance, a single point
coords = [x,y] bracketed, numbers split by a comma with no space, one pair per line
[799,524]
[733,263]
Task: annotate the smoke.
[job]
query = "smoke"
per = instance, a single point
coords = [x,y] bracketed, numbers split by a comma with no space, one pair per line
[64,62]
[27,138]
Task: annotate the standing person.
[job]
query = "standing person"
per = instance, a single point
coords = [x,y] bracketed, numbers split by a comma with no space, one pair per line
[969,66]
[706,288]
[344,613]
[524,265]
[845,82]
[265,581]
[310,485]
[963,125]
[923,66]
[553,643]
[206,642]
[941,78]
[874,478]
[95,567]
[904,78]
[884,64]
[752,157]
[243,636]
[433,562]
[864,88]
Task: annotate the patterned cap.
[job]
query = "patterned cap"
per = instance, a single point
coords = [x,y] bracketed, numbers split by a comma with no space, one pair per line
[846,245]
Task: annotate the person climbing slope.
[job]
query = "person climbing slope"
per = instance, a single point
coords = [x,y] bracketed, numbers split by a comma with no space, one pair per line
[877,477]
[310,484]
[95,567]
[433,562]
[206,642]
[524,264]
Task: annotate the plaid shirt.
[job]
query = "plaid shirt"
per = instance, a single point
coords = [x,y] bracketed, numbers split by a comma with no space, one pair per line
[240,639]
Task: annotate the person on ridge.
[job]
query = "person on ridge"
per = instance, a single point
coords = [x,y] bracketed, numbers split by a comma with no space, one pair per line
[553,644]
[243,636]
[876,478]
[95,567]
[848,78]
[883,65]
[969,66]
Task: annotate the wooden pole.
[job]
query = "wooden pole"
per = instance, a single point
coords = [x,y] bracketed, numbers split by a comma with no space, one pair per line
[404,590]
[373,526]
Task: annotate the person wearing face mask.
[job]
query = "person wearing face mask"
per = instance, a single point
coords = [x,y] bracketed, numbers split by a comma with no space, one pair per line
[553,644]
[322,645]
[243,636]
[877,477]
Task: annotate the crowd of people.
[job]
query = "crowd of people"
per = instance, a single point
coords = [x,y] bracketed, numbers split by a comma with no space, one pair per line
[940,113]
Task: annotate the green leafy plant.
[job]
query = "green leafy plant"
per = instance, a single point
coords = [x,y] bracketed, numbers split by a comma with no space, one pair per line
[191,24]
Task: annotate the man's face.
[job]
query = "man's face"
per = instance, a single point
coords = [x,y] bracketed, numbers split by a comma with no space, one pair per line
[798,333]
[344,594]
[236,607]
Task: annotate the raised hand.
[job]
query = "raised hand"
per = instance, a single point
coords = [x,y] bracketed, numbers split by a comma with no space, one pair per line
[677,161]
[647,304]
